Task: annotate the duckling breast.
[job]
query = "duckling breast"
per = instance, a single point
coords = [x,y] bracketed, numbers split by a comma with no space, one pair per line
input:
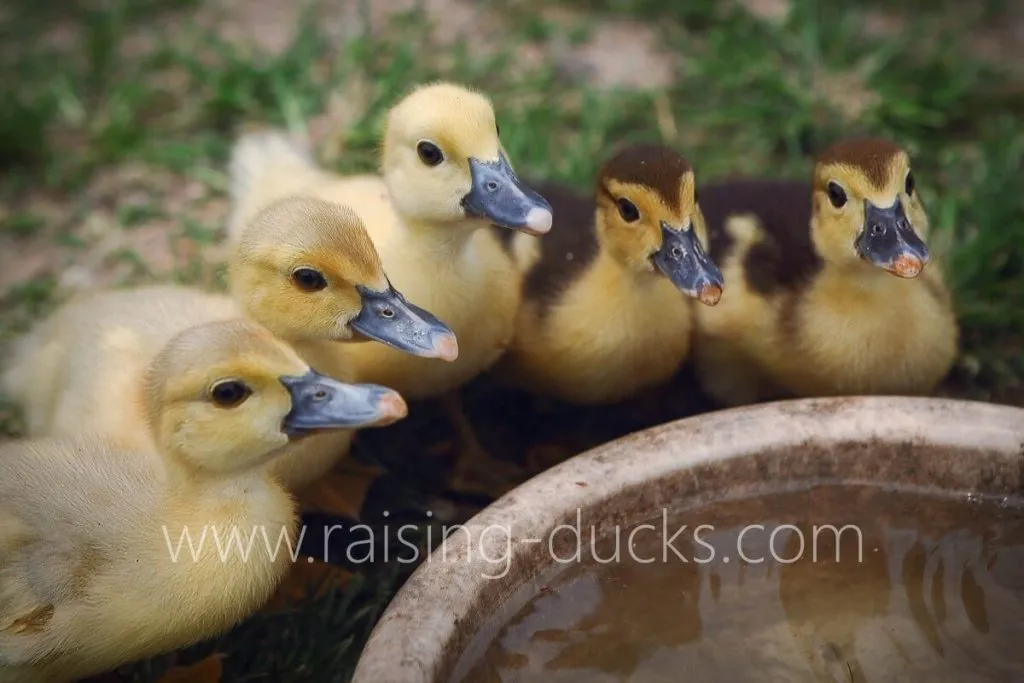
[602,344]
[896,338]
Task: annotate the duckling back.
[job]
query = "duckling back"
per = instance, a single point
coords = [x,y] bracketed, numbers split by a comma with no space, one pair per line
[265,166]
[80,368]
[269,165]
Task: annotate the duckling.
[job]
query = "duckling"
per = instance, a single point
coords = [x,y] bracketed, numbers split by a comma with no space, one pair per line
[606,309]
[829,293]
[304,268]
[91,535]
[445,178]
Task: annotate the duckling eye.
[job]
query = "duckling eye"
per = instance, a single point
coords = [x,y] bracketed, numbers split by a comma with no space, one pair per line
[910,185]
[309,280]
[429,153]
[230,393]
[836,195]
[628,210]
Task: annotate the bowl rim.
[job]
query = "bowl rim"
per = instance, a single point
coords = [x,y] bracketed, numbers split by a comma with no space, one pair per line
[410,641]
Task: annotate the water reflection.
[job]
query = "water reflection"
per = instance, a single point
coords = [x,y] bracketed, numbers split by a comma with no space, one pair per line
[920,588]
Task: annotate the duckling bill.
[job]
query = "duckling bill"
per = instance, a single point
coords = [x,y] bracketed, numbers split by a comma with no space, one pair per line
[683,260]
[499,196]
[320,402]
[388,317]
[888,240]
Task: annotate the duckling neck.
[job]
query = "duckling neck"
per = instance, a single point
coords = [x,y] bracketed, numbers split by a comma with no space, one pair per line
[185,480]
[444,239]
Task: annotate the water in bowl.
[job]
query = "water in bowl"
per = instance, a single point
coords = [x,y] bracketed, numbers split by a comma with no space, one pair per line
[836,584]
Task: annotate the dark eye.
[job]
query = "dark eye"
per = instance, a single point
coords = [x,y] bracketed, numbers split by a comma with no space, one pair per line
[497,129]
[429,153]
[309,280]
[230,393]
[836,195]
[910,184]
[628,210]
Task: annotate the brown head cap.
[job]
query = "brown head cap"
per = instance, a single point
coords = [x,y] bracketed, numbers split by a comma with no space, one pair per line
[871,156]
[652,165]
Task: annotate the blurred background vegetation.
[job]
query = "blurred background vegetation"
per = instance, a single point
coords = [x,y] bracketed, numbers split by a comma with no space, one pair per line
[116,118]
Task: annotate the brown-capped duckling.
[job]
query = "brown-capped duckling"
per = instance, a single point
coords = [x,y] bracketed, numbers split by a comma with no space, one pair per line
[607,297]
[96,570]
[832,289]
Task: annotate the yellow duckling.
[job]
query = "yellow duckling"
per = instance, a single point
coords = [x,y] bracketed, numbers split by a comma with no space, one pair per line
[96,569]
[304,268]
[445,178]
[828,289]
[606,308]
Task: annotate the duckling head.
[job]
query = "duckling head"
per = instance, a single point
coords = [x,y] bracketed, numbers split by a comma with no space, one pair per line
[866,207]
[223,397]
[307,269]
[648,217]
[443,163]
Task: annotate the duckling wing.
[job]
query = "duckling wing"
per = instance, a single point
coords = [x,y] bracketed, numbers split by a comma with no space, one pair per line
[36,575]
[566,251]
[776,249]
[66,505]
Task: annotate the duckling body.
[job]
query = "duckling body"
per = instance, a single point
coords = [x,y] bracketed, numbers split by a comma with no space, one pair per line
[600,320]
[83,368]
[426,215]
[97,568]
[810,312]
[71,590]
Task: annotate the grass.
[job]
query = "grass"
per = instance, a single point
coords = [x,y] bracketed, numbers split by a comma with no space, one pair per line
[121,115]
